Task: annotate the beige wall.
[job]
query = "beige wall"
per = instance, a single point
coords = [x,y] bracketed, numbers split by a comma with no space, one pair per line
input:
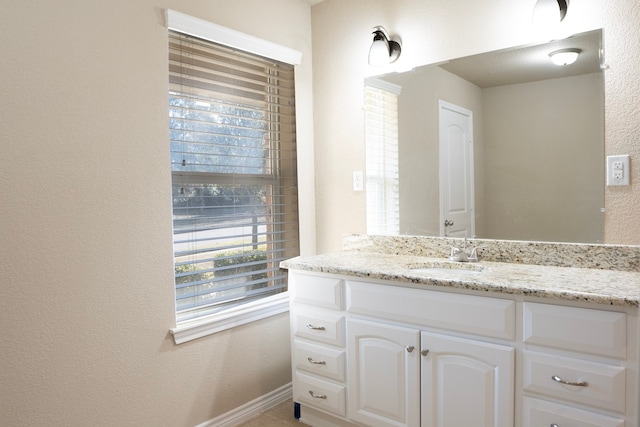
[545,160]
[85,220]
[434,31]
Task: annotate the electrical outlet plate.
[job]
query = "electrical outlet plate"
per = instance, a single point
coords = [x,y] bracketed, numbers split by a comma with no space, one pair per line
[618,170]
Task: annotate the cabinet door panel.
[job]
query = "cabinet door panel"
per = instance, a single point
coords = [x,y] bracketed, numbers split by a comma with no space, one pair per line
[466,383]
[383,375]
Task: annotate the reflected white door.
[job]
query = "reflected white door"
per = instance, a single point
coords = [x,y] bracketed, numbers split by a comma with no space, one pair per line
[457,217]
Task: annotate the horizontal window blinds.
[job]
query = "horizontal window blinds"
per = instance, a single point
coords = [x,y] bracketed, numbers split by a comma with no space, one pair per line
[233,163]
[382,180]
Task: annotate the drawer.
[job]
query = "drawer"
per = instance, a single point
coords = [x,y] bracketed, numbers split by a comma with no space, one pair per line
[319,393]
[605,384]
[489,317]
[324,327]
[319,360]
[320,291]
[598,332]
[541,413]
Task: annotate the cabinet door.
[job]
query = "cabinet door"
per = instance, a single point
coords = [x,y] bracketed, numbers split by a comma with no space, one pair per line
[466,383]
[383,376]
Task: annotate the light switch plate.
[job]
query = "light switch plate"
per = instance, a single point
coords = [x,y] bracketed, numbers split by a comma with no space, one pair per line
[358,181]
[618,170]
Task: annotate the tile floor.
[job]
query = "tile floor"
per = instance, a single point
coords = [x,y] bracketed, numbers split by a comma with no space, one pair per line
[278,416]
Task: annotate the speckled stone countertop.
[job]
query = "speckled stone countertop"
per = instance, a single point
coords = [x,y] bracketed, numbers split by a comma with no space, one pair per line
[597,274]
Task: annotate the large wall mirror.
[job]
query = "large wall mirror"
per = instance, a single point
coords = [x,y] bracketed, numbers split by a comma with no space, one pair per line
[537,138]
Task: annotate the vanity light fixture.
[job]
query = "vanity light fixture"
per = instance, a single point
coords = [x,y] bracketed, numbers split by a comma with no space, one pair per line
[383,50]
[564,56]
[548,12]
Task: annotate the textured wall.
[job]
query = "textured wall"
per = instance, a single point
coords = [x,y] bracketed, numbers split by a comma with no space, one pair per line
[85,220]
[434,31]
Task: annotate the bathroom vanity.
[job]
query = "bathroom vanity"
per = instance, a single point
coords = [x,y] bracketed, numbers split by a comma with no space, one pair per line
[390,333]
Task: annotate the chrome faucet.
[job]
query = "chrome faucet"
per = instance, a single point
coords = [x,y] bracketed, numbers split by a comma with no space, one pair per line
[461,254]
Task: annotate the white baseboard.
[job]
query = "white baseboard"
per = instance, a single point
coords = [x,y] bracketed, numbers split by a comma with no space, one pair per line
[251,409]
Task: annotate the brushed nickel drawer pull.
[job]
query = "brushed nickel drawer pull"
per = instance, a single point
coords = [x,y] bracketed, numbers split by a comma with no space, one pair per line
[317,396]
[315,328]
[322,362]
[553,425]
[561,381]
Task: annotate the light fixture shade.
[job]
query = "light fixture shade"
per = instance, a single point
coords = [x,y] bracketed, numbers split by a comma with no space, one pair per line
[549,12]
[383,50]
[564,56]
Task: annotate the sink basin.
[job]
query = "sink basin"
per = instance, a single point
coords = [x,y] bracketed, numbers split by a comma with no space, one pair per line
[446,267]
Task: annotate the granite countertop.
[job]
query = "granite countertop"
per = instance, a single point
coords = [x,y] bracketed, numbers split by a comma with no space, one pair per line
[592,285]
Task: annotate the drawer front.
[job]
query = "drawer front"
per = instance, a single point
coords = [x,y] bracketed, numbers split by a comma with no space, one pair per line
[604,388]
[319,326]
[598,332]
[541,413]
[320,291]
[319,360]
[319,393]
[489,317]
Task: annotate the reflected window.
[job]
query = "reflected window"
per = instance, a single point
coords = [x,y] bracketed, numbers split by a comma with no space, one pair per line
[381,139]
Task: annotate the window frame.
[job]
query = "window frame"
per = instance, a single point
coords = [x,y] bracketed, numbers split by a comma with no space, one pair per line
[268,306]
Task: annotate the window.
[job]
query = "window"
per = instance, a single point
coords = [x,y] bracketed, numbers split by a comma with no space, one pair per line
[381,135]
[234,176]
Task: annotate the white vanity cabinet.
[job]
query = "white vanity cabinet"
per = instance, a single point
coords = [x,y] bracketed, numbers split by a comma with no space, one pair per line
[380,353]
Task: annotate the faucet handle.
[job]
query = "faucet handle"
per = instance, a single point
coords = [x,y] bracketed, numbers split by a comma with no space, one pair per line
[473,256]
[458,255]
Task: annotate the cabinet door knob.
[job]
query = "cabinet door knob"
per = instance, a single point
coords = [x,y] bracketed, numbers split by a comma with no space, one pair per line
[424,352]
[577,384]
[315,328]
[313,362]
[409,348]
[553,425]
[317,396]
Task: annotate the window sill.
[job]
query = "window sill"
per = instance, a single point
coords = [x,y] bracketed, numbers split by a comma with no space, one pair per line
[244,314]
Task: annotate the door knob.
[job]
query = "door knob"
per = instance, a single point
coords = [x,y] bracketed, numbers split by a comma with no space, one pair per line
[448,223]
